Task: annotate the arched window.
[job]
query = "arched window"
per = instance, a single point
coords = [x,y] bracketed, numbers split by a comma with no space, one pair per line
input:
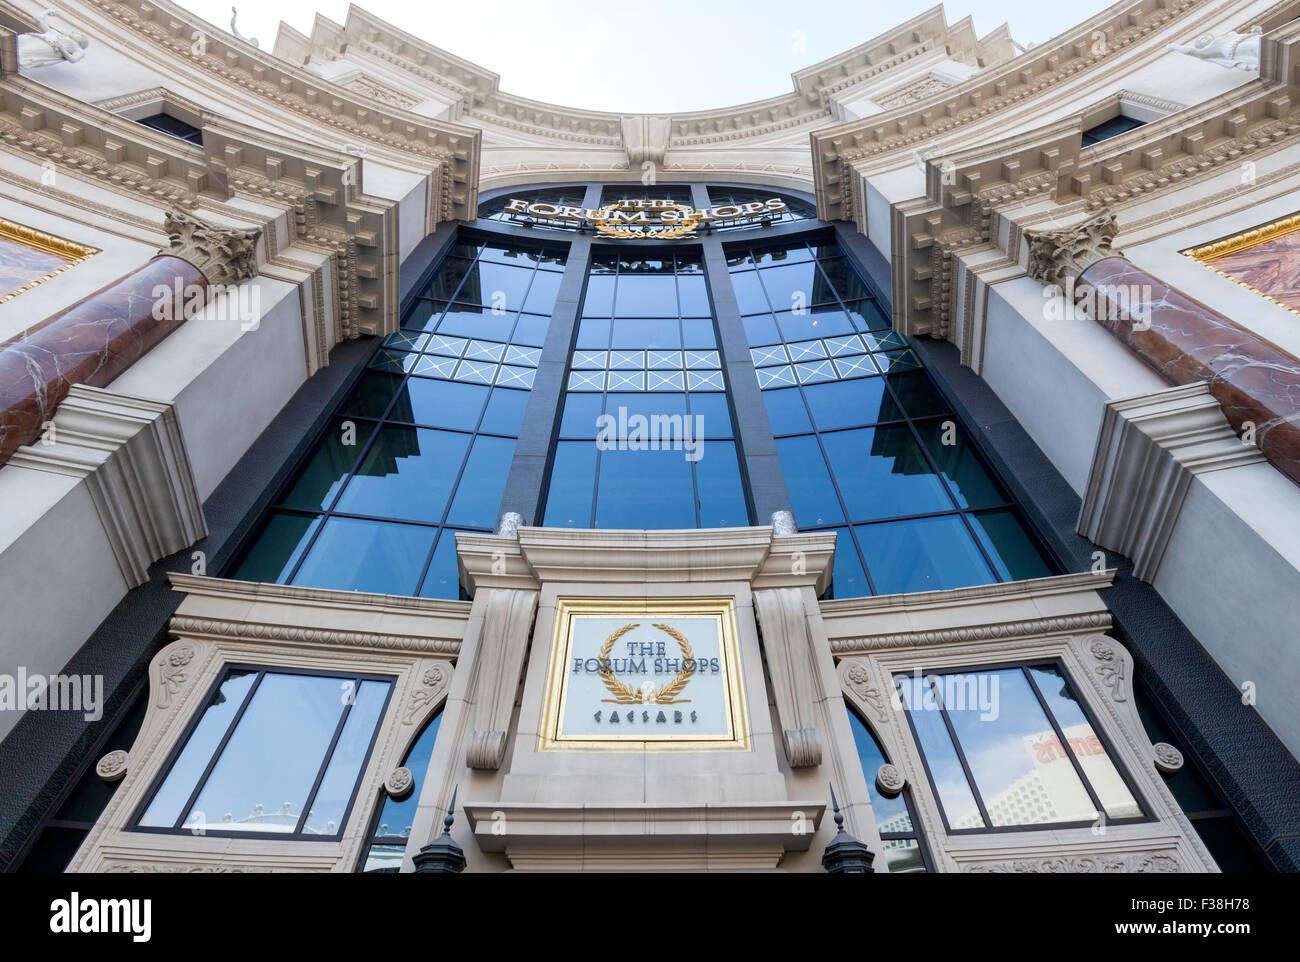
[391,827]
[900,833]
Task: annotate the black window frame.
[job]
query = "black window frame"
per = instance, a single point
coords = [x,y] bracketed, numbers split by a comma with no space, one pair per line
[1107,743]
[193,722]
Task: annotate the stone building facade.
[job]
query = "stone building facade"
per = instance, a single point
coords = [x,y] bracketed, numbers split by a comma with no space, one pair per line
[896,473]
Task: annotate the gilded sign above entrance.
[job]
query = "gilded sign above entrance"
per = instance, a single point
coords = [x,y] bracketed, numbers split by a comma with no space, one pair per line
[657,219]
[644,675]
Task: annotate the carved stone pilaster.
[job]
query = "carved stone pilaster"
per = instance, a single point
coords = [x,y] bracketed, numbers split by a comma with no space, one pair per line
[507,617]
[1059,254]
[223,255]
[790,659]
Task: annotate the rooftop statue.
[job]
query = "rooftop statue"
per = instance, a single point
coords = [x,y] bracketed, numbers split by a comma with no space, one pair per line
[51,45]
[1232,49]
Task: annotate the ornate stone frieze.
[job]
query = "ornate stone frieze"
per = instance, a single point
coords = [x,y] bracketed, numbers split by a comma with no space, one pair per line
[224,255]
[1057,255]
[975,633]
[1139,862]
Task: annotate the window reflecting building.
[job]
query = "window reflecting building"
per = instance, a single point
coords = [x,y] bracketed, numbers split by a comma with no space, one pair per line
[634,480]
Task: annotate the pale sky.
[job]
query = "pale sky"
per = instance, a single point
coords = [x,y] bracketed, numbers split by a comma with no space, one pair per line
[649,56]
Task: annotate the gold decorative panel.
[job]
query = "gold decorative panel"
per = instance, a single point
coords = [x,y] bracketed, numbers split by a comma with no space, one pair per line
[28,257]
[1265,259]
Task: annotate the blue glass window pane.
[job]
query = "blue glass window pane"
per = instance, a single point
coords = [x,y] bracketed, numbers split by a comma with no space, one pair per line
[266,771]
[505,412]
[462,320]
[722,496]
[693,296]
[593,333]
[847,579]
[447,281]
[439,404]
[891,813]
[812,495]
[760,330]
[407,473]
[542,293]
[276,550]
[653,333]
[844,280]
[599,299]
[698,333]
[371,395]
[749,293]
[325,472]
[478,496]
[923,554]
[495,285]
[795,285]
[813,322]
[881,473]
[397,815]
[333,798]
[1015,554]
[422,315]
[573,480]
[916,394]
[844,404]
[645,489]
[791,254]
[716,415]
[377,556]
[530,329]
[940,757]
[623,407]
[1083,742]
[970,483]
[646,295]
[786,411]
[165,808]
[868,315]
[443,577]
[581,412]
[1004,712]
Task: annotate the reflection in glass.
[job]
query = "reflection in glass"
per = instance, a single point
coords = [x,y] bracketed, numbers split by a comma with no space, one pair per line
[294,747]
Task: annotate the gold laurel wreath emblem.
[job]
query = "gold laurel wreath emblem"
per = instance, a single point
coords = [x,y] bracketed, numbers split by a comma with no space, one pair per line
[685,229]
[667,695]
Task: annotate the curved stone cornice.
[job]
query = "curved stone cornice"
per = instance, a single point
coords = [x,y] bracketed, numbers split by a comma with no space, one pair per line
[837,149]
[320,104]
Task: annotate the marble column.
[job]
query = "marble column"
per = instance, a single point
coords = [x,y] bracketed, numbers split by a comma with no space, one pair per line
[1256,383]
[100,336]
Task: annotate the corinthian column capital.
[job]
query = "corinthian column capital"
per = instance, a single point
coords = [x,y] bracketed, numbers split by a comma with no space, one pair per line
[1057,254]
[223,255]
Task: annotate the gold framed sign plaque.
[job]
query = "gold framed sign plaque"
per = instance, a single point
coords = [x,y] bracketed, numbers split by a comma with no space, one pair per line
[645,676]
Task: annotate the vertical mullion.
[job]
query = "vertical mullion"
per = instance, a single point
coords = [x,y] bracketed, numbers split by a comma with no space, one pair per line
[961,754]
[325,762]
[1065,744]
[221,747]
